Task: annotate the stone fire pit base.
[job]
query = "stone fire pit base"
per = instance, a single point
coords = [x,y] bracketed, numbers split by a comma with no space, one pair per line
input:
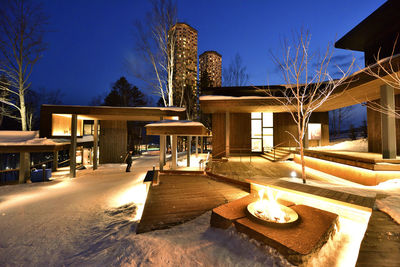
[296,243]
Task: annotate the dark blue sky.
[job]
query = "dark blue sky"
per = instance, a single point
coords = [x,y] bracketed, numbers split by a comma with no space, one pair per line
[90,40]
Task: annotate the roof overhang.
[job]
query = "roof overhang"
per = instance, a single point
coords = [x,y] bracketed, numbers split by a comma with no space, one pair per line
[116,113]
[244,104]
[377,25]
[180,128]
[358,88]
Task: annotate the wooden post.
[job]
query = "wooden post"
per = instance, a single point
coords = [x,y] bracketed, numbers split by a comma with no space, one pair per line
[55,161]
[227,134]
[201,144]
[24,167]
[72,149]
[388,123]
[162,151]
[196,146]
[188,146]
[174,152]
[95,143]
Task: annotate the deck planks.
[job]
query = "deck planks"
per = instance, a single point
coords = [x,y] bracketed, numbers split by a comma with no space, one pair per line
[381,243]
[180,198]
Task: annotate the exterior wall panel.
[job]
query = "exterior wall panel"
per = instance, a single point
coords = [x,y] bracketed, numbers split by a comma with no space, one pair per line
[113,141]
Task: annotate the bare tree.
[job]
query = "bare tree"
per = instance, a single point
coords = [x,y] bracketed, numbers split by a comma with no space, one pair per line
[155,43]
[308,85]
[22,26]
[386,70]
[236,74]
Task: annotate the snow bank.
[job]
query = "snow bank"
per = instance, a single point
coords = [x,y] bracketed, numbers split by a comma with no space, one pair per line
[17,136]
[359,145]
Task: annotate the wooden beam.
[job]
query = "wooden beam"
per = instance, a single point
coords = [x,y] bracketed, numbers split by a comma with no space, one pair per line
[162,151]
[174,152]
[201,144]
[196,145]
[72,149]
[95,143]
[188,148]
[24,166]
[227,133]
[388,123]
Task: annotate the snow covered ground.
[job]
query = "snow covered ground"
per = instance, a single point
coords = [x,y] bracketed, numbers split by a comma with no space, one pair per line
[91,221]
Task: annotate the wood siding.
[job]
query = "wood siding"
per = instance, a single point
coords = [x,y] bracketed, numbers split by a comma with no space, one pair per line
[240,139]
[240,127]
[218,135]
[284,124]
[113,141]
[375,131]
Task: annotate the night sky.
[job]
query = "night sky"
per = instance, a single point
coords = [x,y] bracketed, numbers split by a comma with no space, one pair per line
[90,41]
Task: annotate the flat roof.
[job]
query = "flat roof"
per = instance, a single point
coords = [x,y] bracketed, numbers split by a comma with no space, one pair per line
[116,113]
[358,88]
[382,22]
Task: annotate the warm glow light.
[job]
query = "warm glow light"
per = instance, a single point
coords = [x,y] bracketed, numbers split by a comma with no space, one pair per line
[136,194]
[269,209]
[293,174]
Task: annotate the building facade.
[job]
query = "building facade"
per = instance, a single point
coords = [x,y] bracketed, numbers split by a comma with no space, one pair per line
[210,68]
[184,39]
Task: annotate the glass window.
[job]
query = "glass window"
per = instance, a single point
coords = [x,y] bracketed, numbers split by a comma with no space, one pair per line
[268,119]
[256,145]
[268,131]
[268,142]
[255,128]
[256,115]
[314,131]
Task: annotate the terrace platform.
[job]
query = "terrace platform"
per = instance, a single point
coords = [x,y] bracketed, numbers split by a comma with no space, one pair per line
[179,198]
[359,167]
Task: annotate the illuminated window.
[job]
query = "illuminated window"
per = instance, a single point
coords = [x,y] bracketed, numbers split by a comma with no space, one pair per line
[314,131]
[262,132]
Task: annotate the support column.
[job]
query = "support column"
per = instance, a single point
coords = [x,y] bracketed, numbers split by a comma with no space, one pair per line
[227,134]
[188,150]
[196,146]
[174,152]
[201,144]
[72,149]
[162,151]
[95,143]
[55,161]
[388,124]
[24,166]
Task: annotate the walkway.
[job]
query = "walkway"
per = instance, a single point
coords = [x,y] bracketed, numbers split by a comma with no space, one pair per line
[180,198]
[381,243]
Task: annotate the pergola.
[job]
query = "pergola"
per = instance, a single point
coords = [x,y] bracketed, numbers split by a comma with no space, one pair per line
[177,128]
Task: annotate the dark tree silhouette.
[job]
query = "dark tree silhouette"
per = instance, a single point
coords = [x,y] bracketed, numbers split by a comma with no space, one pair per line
[124,94]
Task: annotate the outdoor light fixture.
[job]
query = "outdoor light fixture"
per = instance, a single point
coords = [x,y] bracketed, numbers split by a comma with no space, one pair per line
[293,174]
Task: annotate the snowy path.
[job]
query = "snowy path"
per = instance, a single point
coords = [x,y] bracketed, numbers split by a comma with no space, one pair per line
[47,224]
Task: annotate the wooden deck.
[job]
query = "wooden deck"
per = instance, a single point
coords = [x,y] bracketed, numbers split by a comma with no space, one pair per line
[327,193]
[381,243]
[180,198]
[369,161]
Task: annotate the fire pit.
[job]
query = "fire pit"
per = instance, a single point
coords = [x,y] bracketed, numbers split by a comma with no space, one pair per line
[270,212]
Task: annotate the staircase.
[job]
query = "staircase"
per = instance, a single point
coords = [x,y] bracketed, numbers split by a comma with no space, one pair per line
[277,154]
